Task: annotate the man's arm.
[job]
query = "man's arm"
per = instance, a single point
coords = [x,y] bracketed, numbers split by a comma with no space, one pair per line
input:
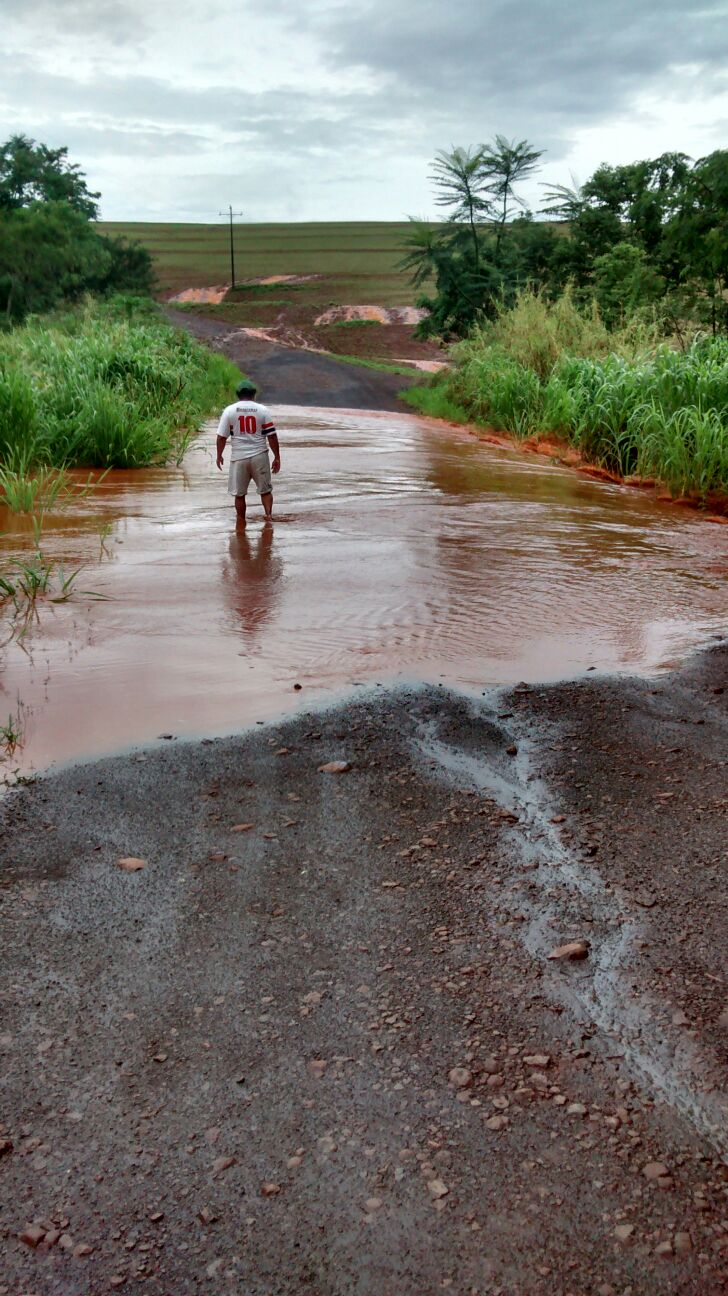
[221,440]
[275,447]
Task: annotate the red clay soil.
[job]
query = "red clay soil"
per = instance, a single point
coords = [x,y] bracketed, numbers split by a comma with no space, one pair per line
[714,507]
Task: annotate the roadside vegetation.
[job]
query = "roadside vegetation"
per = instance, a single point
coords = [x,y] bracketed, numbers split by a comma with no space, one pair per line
[106,385]
[607,329]
[624,398]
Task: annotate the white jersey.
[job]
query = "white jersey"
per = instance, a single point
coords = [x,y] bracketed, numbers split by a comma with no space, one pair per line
[249,425]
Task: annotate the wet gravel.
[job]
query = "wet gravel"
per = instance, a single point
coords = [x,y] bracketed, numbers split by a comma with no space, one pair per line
[316,1043]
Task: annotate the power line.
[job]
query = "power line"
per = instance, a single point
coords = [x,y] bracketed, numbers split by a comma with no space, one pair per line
[231,213]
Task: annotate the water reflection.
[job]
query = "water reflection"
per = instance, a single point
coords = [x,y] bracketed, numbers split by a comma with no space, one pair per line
[251,577]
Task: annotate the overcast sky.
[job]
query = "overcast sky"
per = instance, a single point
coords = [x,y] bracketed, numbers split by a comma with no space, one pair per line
[332,109]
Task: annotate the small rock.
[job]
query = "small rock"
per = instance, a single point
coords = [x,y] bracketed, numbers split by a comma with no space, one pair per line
[335,767]
[160,1057]
[83,1249]
[664,1249]
[242,827]
[207,1216]
[32,1235]
[645,899]
[623,1232]
[680,1018]
[683,1243]
[316,1067]
[576,1109]
[460,1077]
[655,1170]
[372,1204]
[537,1059]
[130,864]
[117,1280]
[573,950]
[65,1242]
[512,750]
[270,1189]
[496,1122]
[437,1189]
[222,1163]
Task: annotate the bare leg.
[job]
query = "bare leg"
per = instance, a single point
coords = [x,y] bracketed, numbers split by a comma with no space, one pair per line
[267,502]
[240,511]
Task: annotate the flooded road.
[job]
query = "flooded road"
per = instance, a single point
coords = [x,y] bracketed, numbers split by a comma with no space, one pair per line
[402,550]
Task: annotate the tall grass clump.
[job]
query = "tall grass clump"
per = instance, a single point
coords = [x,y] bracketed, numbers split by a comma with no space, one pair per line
[629,402]
[103,387]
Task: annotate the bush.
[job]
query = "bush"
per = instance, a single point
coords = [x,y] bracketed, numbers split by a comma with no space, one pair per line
[104,386]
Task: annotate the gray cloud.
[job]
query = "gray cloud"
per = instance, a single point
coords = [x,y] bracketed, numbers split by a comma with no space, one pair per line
[386,84]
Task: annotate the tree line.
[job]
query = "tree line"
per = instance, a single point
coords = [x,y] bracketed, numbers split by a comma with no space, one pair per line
[651,235]
[50,248]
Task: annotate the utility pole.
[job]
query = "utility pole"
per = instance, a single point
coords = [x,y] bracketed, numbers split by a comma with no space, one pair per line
[231,213]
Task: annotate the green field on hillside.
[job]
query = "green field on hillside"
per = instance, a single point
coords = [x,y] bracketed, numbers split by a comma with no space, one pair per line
[357,261]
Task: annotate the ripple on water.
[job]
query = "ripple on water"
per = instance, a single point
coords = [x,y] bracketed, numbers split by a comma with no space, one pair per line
[403,549]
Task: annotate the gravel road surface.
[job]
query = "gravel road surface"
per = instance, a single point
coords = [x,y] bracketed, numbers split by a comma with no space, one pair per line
[311,1039]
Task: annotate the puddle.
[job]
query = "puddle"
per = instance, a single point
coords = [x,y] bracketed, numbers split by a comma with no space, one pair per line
[402,550]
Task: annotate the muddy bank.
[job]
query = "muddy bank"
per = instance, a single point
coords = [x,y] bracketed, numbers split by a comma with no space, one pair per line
[317,1043]
[287,376]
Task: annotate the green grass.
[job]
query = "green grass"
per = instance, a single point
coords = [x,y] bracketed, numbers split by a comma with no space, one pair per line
[626,403]
[371,362]
[12,733]
[24,584]
[432,399]
[357,260]
[102,386]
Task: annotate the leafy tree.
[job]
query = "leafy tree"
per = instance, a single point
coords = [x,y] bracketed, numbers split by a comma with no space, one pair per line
[50,249]
[31,172]
[624,281]
[49,252]
[697,238]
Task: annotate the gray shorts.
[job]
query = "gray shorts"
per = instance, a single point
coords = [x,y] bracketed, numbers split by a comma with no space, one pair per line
[243,471]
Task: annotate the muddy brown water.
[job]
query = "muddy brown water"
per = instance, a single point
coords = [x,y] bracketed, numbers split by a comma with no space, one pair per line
[402,550]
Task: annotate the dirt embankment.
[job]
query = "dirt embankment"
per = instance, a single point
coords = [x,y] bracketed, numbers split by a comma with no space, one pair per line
[315,1038]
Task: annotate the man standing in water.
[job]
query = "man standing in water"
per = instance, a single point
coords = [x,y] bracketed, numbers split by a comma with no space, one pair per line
[251,430]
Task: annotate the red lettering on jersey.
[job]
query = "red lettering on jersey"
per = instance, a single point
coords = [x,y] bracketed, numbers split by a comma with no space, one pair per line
[248,424]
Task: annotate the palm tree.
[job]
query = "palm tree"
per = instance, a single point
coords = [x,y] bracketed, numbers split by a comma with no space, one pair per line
[461,183]
[503,165]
